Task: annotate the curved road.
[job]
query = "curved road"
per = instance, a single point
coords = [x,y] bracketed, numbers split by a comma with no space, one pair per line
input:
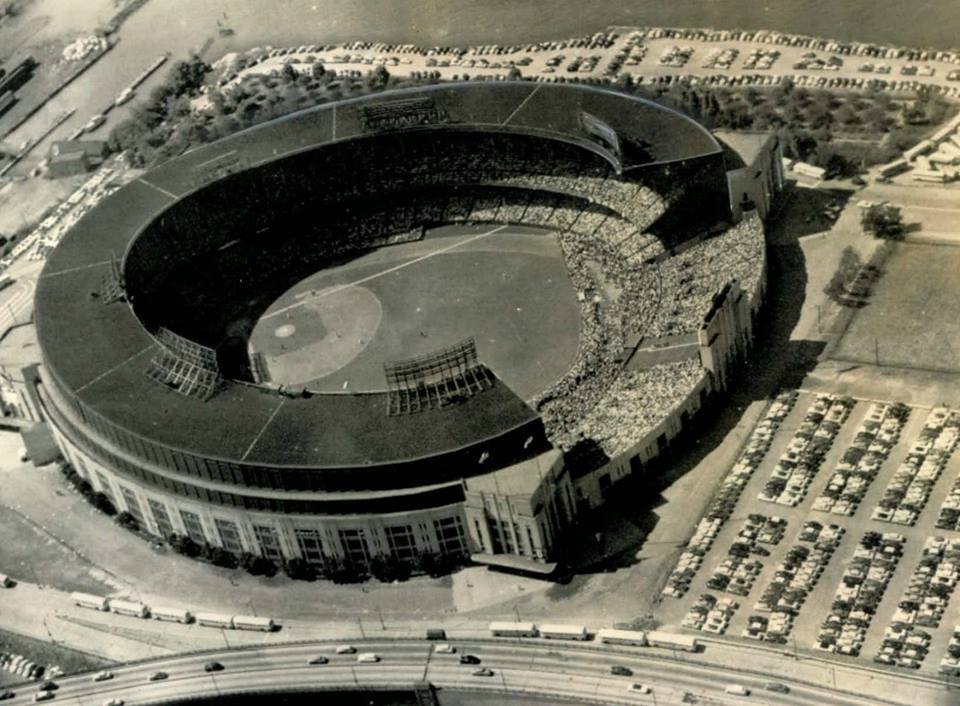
[554,669]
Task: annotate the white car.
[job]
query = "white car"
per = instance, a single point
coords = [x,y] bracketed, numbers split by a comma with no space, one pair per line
[640,688]
[445,649]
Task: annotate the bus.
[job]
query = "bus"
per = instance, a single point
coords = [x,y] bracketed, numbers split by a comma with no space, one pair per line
[87,600]
[513,629]
[673,641]
[214,620]
[133,608]
[173,615]
[249,622]
[610,636]
[564,632]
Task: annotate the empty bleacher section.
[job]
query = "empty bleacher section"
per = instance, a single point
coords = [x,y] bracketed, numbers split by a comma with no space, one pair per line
[185,366]
[435,380]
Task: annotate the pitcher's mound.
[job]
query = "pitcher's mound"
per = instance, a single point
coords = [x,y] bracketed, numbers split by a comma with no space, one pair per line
[321,332]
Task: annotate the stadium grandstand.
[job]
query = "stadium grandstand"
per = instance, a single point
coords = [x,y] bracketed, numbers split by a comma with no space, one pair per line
[177,405]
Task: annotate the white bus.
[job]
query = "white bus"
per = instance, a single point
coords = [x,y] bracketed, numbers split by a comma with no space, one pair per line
[610,636]
[564,632]
[673,641]
[87,600]
[173,615]
[513,629]
[134,608]
[214,620]
[249,622]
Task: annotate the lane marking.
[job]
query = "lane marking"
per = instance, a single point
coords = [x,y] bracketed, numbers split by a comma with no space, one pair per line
[389,270]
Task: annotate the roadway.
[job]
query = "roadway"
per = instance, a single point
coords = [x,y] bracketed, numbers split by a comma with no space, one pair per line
[560,670]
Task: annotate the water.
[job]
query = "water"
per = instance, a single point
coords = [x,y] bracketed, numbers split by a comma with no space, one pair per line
[183,26]
[920,22]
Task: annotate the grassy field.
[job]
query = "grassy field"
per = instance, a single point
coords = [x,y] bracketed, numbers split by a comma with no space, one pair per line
[910,320]
[508,288]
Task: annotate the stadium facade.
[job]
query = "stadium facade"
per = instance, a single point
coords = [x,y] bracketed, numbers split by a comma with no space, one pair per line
[161,408]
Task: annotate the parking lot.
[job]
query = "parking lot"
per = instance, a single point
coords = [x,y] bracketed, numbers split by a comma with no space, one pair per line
[798,553]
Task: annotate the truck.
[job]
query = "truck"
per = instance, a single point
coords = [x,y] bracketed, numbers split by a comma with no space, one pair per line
[504,629]
[564,632]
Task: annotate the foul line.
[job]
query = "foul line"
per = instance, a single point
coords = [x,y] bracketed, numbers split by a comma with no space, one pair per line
[115,367]
[159,188]
[75,269]
[395,268]
[522,103]
[260,433]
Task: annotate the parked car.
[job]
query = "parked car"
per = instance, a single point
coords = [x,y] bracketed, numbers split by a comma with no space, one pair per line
[213,667]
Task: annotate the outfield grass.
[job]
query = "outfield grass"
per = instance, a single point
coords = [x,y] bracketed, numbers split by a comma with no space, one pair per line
[509,289]
[910,320]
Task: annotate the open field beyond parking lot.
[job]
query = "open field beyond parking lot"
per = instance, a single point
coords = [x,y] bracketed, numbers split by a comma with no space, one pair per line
[911,318]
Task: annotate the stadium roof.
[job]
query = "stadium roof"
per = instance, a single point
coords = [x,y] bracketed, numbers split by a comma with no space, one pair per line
[100,352]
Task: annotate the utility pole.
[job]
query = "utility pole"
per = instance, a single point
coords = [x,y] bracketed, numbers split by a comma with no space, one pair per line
[876,350]
[380,615]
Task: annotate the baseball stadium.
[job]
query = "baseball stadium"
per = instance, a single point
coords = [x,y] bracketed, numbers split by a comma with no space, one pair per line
[442,320]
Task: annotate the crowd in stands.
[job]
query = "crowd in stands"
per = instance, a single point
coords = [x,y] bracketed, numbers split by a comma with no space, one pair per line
[628,286]
[619,415]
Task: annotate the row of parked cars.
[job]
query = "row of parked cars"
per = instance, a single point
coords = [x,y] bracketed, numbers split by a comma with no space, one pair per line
[798,465]
[800,569]
[950,663]
[720,58]
[949,517]
[761,59]
[675,56]
[710,614]
[737,572]
[678,583]
[909,489]
[875,438]
[860,591]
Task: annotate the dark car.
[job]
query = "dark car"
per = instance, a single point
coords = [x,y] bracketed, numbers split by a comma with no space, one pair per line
[6,695]
[483,672]
[49,686]
[777,686]
[158,676]
[621,671]
[319,659]
[213,667]
[469,659]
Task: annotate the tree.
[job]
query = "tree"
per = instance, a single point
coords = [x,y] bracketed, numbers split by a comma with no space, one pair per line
[128,521]
[298,569]
[104,505]
[849,265]
[378,78]
[219,556]
[182,544]
[318,70]
[514,74]
[883,221]
[188,76]
[289,73]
